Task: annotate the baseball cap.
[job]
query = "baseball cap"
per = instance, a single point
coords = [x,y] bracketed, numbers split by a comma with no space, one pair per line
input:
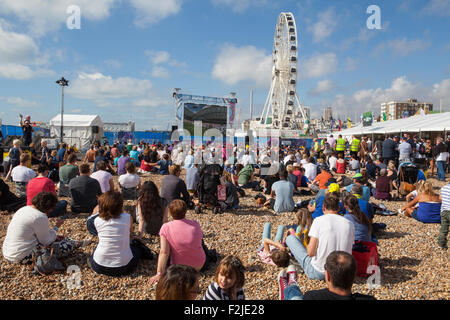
[358,176]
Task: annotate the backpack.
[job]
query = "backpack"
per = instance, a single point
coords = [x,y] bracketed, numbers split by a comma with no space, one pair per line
[422,150]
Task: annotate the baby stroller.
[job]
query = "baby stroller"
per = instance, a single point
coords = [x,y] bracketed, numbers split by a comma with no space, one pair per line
[207,187]
[407,178]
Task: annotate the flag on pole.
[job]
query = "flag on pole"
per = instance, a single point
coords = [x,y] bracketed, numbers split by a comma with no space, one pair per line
[340,124]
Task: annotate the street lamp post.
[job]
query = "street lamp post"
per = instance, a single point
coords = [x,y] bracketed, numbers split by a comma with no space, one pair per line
[63,83]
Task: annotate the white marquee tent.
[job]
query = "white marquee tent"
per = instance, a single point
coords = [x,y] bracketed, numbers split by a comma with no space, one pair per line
[79,130]
[438,122]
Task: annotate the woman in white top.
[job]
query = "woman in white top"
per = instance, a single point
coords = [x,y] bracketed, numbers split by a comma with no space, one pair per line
[104,177]
[130,182]
[114,255]
[29,229]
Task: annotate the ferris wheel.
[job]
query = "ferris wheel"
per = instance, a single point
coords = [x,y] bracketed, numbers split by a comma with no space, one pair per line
[280,110]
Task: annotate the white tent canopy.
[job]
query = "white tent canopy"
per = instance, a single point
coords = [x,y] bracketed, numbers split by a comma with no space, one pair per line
[79,130]
[438,122]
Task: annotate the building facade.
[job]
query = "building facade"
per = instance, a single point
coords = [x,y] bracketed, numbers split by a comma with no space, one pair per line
[328,114]
[397,110]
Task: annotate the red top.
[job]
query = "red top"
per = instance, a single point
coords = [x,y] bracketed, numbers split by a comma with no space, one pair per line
[37,185]
[299,175]
[340,167]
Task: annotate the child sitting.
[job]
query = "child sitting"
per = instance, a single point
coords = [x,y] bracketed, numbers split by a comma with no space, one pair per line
[305,221]
[228,281]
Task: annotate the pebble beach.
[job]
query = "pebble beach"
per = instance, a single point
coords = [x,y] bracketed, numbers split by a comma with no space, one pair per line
[412,266]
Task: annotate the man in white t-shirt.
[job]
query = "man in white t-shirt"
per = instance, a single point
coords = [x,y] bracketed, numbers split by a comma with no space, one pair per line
[310,169]
[21,175]
[328,233]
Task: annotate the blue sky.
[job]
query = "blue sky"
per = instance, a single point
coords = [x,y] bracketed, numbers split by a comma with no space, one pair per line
[129,54]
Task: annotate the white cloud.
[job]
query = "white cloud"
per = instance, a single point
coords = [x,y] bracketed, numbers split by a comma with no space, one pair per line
[160,72]
[351,64]
[20,57]
[112,63]
[153,11]
[401,89]
[102,89]
[438,7]
[404,47]
[319,65]
[158,57]
[19,102]
[240,6]
[325,26]
[236,64]
[43,16]
[322,87]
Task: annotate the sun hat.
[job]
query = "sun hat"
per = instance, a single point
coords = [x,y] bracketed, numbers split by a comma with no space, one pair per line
[334,187]
[357,176]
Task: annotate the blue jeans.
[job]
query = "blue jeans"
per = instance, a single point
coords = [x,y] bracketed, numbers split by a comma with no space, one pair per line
[60,210]
[440,170]
[301,255]
[292,293]
[267,232]
[90,225]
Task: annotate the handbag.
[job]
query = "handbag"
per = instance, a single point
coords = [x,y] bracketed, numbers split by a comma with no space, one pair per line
[45,261]
[221,193]
[365,254]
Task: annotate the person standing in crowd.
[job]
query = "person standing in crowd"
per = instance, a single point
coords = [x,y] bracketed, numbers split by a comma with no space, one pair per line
[90,155]
[388,150]
[45,152]
[341,145]
[354,147]
[405,151]
[62,152]
[14,155]
[27,130]
[442,156]
[445,216]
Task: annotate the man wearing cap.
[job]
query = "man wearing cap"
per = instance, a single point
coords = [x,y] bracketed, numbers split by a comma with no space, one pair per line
[357,180]
[27,130]
[405,151]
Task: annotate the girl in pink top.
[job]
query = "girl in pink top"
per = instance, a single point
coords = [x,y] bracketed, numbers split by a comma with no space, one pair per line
[181,240]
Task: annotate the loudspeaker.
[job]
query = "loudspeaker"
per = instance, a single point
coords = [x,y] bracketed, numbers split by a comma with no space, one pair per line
[95,129]
[174,128]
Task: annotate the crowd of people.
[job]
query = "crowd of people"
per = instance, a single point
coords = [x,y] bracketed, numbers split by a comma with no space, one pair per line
[340,177]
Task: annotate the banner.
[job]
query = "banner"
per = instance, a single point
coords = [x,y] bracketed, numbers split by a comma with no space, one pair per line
[367,119]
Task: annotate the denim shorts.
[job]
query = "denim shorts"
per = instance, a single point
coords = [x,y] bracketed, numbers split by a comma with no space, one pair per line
[414,214]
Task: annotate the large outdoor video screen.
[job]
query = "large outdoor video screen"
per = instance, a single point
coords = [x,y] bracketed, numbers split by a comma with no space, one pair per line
[211,116]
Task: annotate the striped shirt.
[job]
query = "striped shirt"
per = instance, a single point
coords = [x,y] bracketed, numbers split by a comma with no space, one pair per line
[214,292]
[445,193]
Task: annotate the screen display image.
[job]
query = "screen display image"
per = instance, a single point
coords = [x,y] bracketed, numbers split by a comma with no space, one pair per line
[211,116]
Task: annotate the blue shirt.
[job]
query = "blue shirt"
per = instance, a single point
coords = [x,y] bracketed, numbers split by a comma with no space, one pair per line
[61,153]
[319,208]
[284,201]
[366,192]
[361,230]
[365,208]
